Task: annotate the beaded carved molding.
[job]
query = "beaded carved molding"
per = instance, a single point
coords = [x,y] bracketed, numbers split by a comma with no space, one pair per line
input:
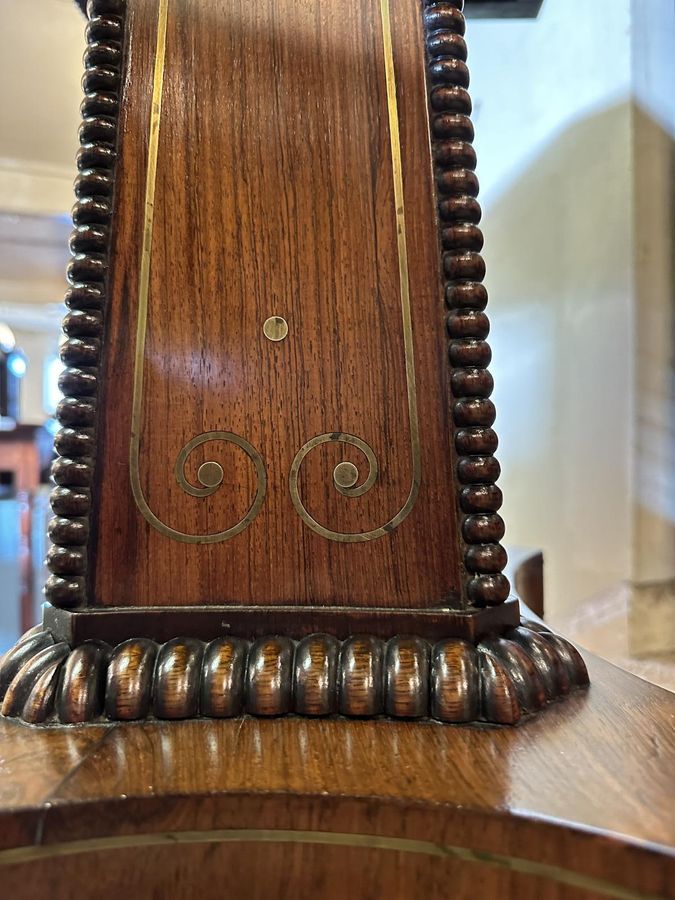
[466,297]
[499,676]
[75,443]
[461,240]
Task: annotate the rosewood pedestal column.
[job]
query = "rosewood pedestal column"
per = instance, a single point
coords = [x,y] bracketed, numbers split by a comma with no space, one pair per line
[276,482]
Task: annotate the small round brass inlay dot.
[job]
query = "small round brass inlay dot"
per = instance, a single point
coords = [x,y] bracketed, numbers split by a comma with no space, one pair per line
[210,474]
[345,475]
[275,328]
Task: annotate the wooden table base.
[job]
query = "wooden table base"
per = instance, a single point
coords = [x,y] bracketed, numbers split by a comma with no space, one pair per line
[498,677]
[574,804]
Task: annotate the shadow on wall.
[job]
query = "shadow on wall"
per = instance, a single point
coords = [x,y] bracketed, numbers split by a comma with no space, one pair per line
[560,255]
[652,619]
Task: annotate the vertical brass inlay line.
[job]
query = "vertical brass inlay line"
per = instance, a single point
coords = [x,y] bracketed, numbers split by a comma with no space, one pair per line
[397,165]
[149,214]
[335,435]
[141,329]
[342,437]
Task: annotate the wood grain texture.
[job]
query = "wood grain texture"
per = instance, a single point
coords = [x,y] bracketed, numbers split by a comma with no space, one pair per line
[274,196]
[313,199]
[584,791]
[310,868]
[116,624]
[81,689]
[496,679]
[129,679]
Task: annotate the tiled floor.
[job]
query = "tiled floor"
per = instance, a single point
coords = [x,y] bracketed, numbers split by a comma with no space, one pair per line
[601,626]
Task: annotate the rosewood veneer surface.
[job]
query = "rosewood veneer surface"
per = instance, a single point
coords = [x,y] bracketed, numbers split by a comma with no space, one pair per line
[577,802]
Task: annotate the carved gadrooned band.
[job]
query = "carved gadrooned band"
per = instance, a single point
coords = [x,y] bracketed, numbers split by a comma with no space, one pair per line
[466,297]
[498,680]
[73,470]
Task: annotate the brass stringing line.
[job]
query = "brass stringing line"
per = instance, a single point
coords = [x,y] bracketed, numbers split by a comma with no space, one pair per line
[397,166]
[141,329]
[146,248]
[397,172]
[19,855]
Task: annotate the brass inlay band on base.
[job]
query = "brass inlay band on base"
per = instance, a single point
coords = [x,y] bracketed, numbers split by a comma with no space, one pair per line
[19,855]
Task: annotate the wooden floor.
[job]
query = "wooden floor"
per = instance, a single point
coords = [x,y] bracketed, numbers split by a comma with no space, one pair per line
[578,802]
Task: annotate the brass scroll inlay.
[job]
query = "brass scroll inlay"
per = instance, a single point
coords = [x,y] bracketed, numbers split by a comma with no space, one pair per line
[345,476]
[210,474]
[357,491]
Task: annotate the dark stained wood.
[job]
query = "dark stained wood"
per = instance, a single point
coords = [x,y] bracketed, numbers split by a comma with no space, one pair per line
[316,665]
[269,677]
[407,674]
[583,791]
[32,642]
[499,678]
[318,201]
[80,697]
[129,679]
[39,682]
[530,583]
[479,9]
[73,470]
[223,679]
[177,679]
[283,868]
[274,197]
[455,689]
[361,679]
[36,760]
[252,622]
[249,262]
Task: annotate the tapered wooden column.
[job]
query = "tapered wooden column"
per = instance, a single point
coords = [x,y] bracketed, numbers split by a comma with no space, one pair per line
[276,484]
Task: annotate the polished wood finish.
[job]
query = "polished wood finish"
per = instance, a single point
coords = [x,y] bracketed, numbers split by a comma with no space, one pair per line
[527,566]
[207,623]
[87,300]
[496,678]
[259,274]
[313,205]
[575,803]
[276,199]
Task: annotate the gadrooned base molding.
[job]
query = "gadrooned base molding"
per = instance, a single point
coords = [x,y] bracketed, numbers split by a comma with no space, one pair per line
[498,680]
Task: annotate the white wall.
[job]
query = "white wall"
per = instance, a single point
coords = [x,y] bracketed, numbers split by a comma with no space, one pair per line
[653,577]
[574,124]
[41,46]
[554,160]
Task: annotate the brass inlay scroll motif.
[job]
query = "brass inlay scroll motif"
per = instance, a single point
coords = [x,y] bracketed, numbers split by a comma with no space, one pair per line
[210,473]
[358,490]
